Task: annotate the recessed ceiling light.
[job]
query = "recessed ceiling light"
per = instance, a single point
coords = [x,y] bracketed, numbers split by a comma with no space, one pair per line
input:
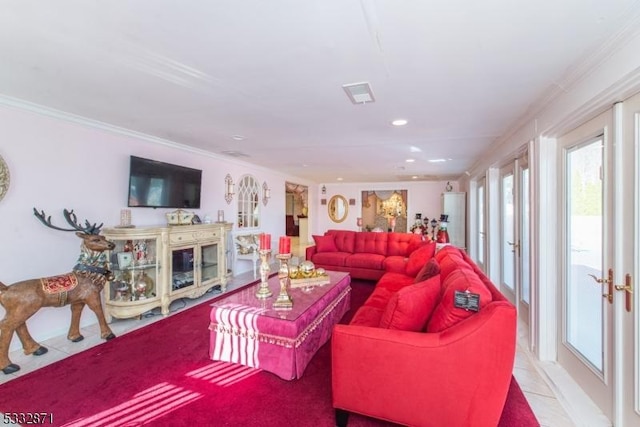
[437,160]
[237,137]
[415,149]
[399,122]
[414,177]
[410,160]
[339,178]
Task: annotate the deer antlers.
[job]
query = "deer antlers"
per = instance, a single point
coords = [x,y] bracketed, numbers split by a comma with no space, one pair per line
[71,220]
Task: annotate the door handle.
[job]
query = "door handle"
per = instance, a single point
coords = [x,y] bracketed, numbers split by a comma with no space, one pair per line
[609,282]
[628,289]
[514,246]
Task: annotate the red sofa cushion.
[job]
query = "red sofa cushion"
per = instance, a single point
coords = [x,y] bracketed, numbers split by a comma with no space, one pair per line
[451,261]
[402,244]
[367,316]
[345,239]
[395,264]
[446,314]
[367,242]
[430,269]
[331,258]
[365,260]
[394,281]
[419,258]
[410,307]
[325,243]
[379,299]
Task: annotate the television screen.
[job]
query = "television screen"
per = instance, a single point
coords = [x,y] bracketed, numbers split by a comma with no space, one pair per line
[163,185]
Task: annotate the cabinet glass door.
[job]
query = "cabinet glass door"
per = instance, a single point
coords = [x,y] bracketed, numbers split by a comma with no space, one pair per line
[209,262]
[182,268]
[135,270]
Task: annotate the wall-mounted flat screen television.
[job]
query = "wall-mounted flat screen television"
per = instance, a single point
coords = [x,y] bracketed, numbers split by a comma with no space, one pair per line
[155,184]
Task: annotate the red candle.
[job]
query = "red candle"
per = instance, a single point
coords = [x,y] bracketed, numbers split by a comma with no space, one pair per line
[285,245]
[265,242]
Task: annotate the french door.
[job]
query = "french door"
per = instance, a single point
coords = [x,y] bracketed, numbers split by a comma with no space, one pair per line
[514,234]
[598,236]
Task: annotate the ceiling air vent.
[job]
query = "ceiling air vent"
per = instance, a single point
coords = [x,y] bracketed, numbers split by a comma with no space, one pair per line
[359,93]
[233,153]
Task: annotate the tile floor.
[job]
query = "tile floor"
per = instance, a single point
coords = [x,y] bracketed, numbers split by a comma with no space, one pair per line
[532,376]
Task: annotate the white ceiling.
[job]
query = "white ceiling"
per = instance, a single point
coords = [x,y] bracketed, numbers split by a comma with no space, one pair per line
[463,72]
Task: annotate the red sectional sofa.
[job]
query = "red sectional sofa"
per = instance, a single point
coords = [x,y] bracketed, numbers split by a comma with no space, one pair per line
[411,356]
[363,254]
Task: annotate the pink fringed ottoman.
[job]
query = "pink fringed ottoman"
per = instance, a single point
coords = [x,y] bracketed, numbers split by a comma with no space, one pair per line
[248,331]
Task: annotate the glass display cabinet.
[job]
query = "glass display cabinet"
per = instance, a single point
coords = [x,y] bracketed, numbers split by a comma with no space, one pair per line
[154,266]
[137,266]
[195,254]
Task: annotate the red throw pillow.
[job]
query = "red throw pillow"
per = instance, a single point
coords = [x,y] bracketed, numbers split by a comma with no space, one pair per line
[410,307]
[446,314]
[419,257]
[430,269]
[325,243]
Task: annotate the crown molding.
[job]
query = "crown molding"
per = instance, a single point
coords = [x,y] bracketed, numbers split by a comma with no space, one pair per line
[23,105]
[96,124]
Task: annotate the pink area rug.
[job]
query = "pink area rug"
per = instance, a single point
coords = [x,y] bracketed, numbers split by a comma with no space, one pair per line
[161,375]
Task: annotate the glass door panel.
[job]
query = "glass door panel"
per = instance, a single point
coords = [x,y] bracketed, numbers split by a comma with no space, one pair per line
[508,242]
[584,254]
[135,270]
[182,268]
[586,214]
[209,262]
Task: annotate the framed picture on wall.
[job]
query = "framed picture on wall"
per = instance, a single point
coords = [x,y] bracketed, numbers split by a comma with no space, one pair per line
[352,202]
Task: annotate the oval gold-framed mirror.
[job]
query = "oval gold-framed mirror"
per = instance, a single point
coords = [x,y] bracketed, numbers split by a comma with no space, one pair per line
[338,208]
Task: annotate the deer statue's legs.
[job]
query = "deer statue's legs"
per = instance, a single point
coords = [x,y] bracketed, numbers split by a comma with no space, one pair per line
[6,332]
[74,334]
[29,345]
[14,320]
[95,305]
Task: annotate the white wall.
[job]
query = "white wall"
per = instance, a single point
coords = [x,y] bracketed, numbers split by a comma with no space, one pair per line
[56,164]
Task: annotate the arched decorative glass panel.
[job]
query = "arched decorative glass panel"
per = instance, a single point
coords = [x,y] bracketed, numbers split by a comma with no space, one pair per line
[248,206]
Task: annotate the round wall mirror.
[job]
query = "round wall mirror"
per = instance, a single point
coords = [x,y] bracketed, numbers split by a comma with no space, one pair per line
[338,208]
[4,178]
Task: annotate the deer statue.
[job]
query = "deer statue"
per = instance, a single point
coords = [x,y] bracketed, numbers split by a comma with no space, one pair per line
[82,286]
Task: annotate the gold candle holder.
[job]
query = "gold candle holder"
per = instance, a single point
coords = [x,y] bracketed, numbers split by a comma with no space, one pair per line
[284,301]
[263,291]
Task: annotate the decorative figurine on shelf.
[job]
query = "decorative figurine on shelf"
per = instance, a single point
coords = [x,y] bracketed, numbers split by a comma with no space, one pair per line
[140,250]
[434,224]
[417,227]
[443,235]
[82,286]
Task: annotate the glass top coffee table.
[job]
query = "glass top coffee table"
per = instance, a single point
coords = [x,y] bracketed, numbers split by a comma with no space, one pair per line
[248,331]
